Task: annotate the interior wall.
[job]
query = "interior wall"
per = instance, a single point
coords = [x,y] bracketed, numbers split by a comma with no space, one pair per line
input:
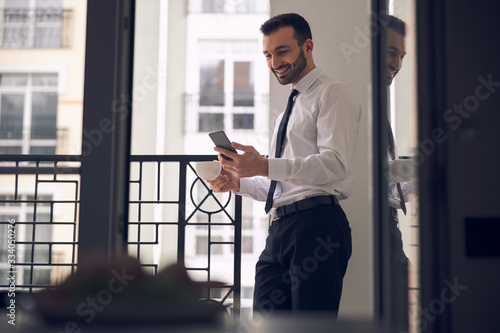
[341,36]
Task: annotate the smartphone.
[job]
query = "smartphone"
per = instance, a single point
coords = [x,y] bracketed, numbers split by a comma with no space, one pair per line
[220,139]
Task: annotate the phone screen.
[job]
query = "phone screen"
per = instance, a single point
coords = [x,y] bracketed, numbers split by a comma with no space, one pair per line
[221,140]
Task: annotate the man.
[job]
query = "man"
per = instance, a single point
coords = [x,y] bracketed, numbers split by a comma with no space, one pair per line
[401,172]
[311,168]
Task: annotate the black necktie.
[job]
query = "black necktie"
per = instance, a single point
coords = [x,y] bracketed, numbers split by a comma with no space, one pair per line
[392,151]
[280,141]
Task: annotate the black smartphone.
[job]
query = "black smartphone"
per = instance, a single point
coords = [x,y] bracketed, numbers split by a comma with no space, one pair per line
[220,139]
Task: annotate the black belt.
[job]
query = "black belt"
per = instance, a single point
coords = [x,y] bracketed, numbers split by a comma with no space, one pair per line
[304,204]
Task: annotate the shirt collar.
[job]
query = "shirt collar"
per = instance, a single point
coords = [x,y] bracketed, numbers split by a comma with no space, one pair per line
[307,81]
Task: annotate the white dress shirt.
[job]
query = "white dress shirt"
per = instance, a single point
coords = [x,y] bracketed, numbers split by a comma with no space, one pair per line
[318,157]
[400,171]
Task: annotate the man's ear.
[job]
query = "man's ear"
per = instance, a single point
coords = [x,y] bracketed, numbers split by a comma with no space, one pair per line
[308,47]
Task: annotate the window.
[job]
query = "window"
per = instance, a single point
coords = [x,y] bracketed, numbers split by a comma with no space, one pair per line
[213,6]
[211,82]
[247,244]
[243,121]
[227,6]
[210,122]
[32,24]
[243,84]
[28,108]
[248,227]
[26,232]
[226,85]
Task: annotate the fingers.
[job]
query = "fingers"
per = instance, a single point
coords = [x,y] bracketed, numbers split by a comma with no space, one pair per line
[225,152]
[238,146]
[217,185]
[246,149]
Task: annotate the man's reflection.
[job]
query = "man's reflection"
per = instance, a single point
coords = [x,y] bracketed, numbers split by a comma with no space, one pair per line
[401,172]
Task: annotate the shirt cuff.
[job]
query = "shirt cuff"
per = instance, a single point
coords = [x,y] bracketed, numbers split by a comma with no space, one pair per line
[277,169]
[246,186]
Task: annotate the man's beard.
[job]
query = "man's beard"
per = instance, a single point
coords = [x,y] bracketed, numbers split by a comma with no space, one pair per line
[297,68]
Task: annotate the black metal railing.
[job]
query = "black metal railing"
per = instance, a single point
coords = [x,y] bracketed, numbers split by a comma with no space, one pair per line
[168,204]
[35,190]
[187,207]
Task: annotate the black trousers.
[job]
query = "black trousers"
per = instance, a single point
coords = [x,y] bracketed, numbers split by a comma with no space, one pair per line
[304,262]
[399,269]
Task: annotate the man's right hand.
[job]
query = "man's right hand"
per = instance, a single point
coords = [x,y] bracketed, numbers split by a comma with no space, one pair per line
[225,182]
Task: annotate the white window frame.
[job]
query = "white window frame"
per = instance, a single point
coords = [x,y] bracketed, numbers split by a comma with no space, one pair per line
[193,106]
[25,142]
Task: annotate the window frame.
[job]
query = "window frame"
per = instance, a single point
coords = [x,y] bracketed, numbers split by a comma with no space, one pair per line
[26,142]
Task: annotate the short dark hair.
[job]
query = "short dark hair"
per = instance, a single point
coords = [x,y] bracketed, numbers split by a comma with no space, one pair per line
[297,22]
[394,23]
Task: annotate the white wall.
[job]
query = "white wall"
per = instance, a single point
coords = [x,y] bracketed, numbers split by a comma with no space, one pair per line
[334,23]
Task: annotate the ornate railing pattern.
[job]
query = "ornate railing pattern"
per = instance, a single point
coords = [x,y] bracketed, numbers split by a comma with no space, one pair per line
[168,205]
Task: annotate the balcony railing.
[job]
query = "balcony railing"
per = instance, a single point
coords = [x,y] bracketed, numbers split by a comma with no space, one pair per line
[168,203]
[35,28]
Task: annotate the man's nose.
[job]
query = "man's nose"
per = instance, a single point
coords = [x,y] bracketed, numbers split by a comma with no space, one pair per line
[395,63]
[276,62]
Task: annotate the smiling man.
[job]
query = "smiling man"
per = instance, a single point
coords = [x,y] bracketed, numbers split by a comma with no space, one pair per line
[310,168]
[401,173]
[396,46]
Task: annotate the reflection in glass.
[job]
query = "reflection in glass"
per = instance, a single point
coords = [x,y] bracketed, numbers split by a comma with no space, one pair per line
[401,176]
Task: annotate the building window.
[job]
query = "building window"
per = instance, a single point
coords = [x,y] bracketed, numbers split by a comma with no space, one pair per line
[243,121]
[228,6]
[211,82]
[213,6]
[243,84]
[32,239]
[210,122]
[32,24]
[248,227]
[226,85]
[247,244]
[28,113]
